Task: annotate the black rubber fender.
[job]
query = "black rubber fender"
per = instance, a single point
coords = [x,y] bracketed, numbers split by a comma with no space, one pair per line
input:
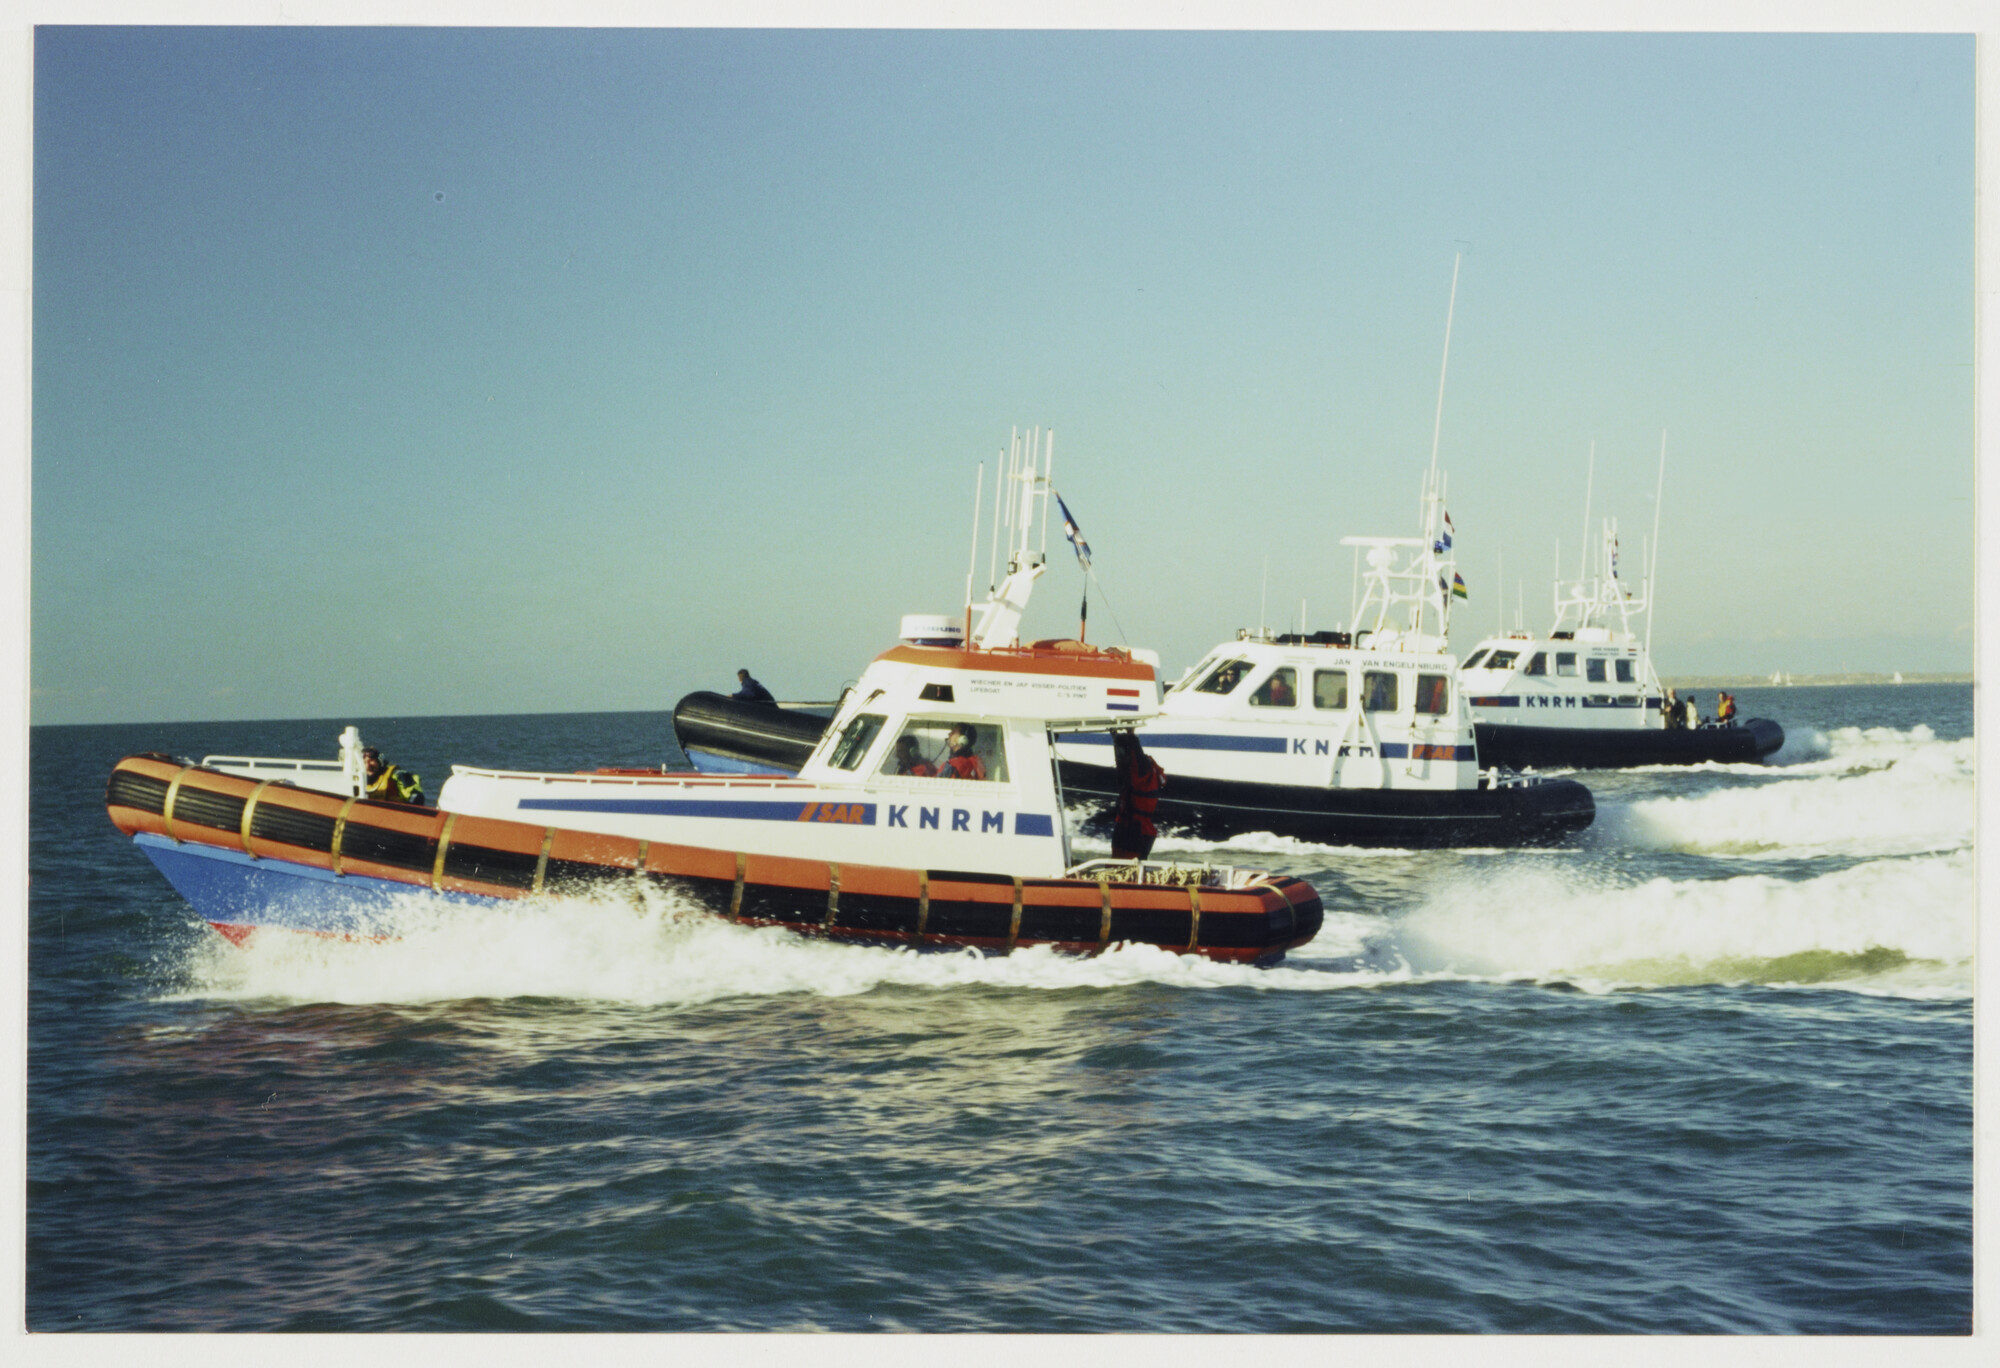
[756,733]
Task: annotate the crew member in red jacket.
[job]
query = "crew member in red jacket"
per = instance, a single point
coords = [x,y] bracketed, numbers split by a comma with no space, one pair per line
[1139,780]
[959,761]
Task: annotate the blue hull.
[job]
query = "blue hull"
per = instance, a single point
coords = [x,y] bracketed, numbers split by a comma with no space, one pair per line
[708,762]
[235,893]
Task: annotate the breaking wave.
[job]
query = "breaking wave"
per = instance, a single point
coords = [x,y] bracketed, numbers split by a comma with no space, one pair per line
[1874,792]
[663,952]
[1897,807]
[1897,926]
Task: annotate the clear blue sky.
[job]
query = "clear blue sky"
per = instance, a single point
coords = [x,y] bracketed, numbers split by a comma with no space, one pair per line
[419,371]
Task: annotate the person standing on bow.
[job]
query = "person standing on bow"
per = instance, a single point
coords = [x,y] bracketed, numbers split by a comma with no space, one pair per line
[389,784]
[750,691]
[1139,781]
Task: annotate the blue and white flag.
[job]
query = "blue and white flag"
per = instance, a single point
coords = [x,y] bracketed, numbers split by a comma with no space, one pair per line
[1075,534]
[1443,544]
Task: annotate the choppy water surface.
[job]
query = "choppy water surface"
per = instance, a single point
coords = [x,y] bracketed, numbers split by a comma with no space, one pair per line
[1709,1070]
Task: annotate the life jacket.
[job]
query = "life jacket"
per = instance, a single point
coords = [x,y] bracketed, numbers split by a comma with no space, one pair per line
[1139,792]
[397,787]
[962,767]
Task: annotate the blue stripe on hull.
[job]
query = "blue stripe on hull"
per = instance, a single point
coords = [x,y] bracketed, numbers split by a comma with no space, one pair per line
[751,810]
[745,811]
[229,888]
[1554,702]
[1268,745]
[1185,741]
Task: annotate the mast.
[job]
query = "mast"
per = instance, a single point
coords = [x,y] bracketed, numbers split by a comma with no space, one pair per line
[1024,521]
[1659,494]
[1432,563]
[1048,483]
[1411,570]
[1589,478]
[999,619]
[972,567]
[1020,454]
[1354,591]
[999,485]
[1437,421]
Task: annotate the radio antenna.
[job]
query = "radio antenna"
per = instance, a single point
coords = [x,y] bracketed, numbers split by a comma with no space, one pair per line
[1437,423]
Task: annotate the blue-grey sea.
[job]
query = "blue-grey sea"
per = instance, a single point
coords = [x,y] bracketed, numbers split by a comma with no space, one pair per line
[1707,1070]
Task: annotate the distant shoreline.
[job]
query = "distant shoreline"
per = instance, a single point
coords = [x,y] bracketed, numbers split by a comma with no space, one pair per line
[1805,681]
[1679,682]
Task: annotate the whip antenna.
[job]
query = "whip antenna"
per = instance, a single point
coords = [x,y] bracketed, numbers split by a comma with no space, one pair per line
[972,565]
[1437,423]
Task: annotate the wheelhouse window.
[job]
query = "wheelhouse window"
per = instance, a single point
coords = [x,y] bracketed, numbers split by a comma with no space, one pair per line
[1624,671]
[1433,694]
[1472,661]
[1503,660]
[1330,689]
[1538,664]
[1378,691]
[855,739]
[1195,673]
[1566,664]
[1593,670]
[933,748]
[1281,690]
[1224,677]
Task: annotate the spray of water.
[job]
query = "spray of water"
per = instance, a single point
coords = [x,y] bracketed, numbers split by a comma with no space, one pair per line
[1896,806]
[1874,793]
[1898,925]
[660,952]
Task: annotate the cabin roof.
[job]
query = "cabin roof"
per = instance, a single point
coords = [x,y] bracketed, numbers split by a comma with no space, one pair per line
[1045,658]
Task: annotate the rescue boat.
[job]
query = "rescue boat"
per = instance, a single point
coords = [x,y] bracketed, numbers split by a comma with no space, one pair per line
[1353,737]
[928,814]
[1584,695]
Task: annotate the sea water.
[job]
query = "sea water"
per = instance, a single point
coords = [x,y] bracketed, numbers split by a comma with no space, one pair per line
[1708,1069]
